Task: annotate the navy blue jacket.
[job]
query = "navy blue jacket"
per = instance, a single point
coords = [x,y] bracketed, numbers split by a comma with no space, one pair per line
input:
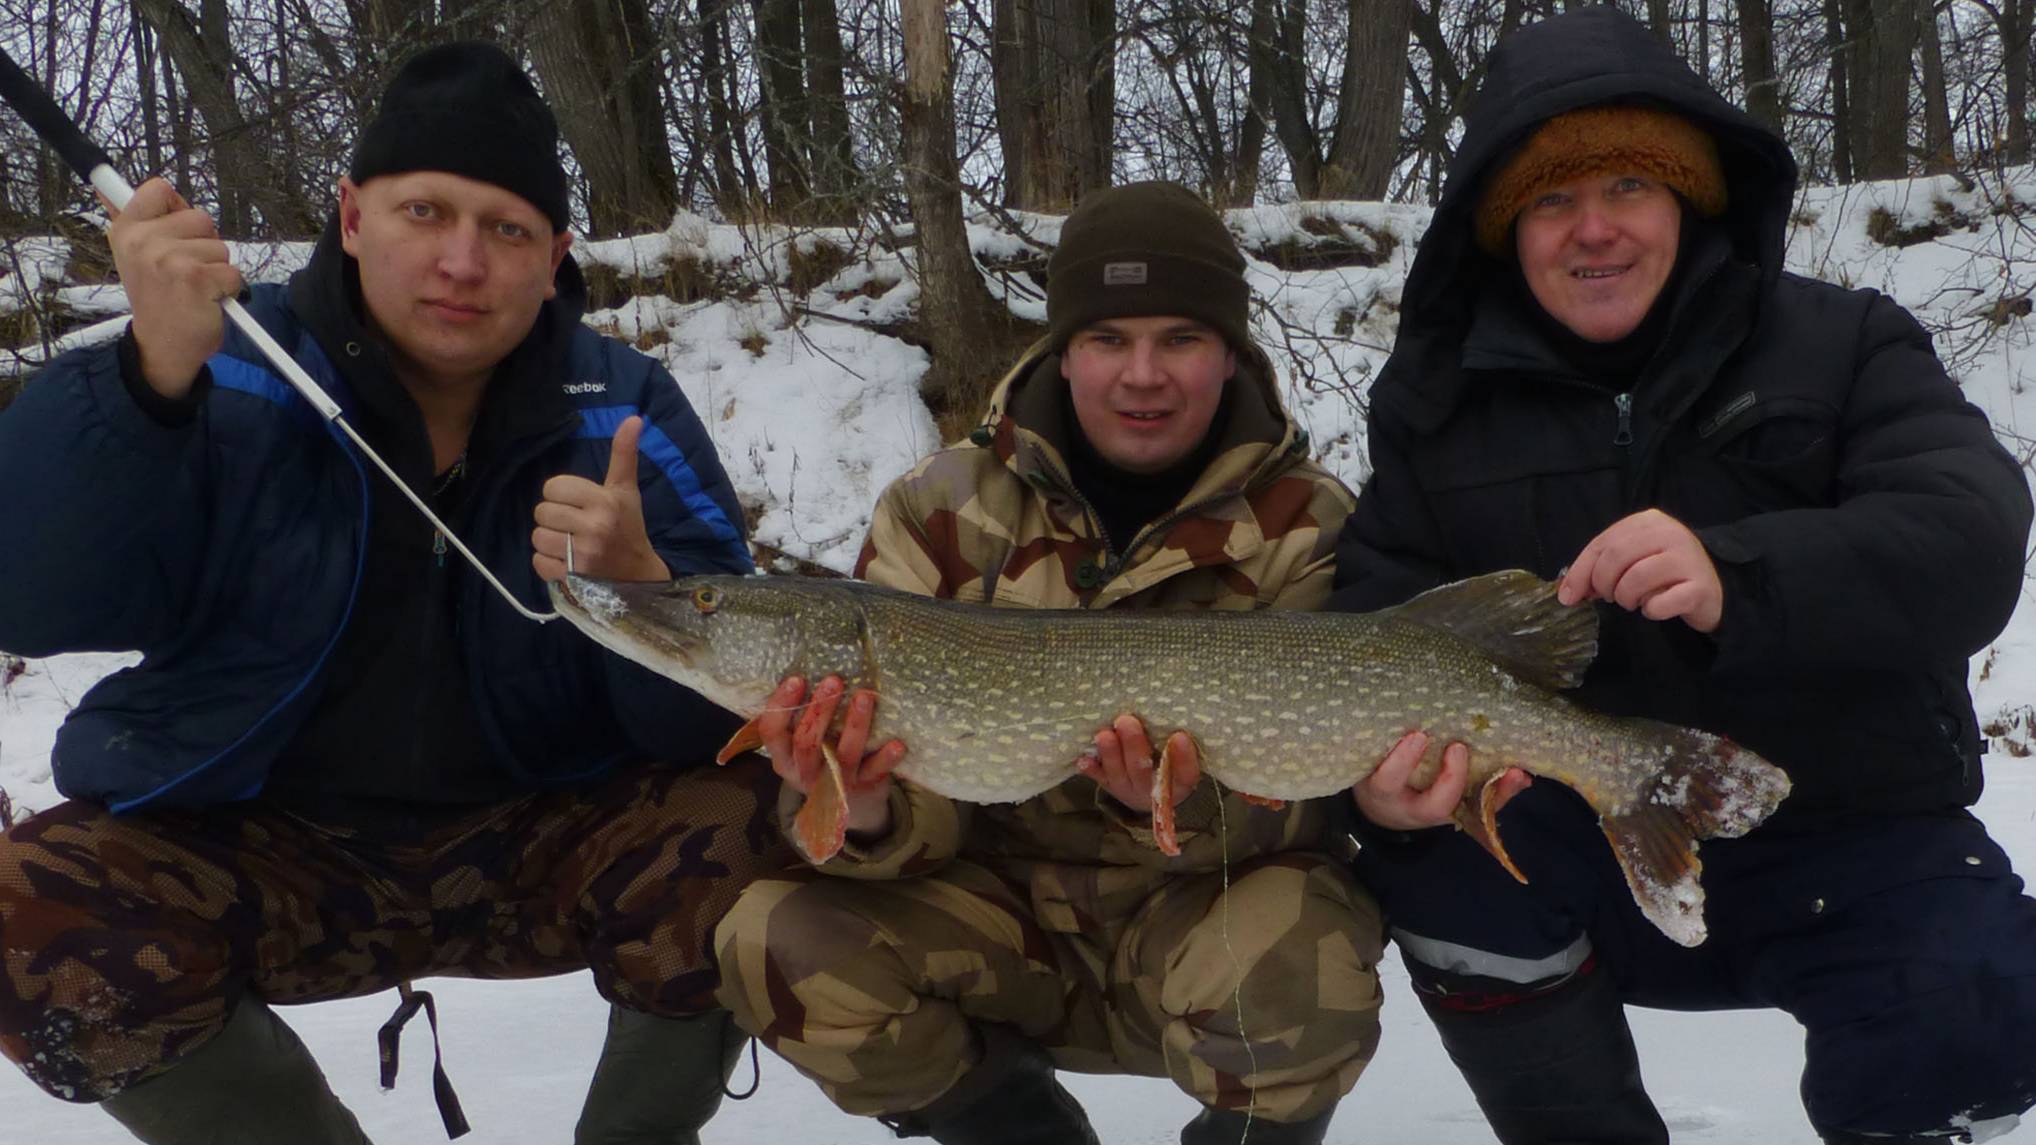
[228,552]
[1867,526]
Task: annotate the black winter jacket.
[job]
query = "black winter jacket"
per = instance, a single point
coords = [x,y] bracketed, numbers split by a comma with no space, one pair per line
[1868,528]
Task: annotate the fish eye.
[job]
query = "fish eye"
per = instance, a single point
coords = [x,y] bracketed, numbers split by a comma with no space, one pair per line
[706,598]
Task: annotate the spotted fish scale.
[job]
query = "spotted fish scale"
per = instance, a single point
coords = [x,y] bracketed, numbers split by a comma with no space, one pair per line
[995,705]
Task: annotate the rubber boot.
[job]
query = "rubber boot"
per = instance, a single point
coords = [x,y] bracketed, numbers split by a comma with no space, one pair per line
[1554,1069]
[1235,1127]
[659,1079]
[1009,1098]
[254,1083]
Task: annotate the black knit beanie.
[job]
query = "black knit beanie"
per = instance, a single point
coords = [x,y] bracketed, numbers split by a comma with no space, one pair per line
[1146,249]
[468,109]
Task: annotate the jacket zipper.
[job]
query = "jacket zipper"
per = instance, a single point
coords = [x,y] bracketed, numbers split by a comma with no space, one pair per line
[1624,404]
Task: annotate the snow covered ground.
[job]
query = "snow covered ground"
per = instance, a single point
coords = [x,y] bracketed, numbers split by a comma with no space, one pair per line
[814,416]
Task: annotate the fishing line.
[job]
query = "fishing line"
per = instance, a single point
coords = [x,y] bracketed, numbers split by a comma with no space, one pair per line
[1230,948]
[94,166]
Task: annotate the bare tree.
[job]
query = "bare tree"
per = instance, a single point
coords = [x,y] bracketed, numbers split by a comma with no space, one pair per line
[833,157]
[1937,155]
[1054,69]
[954,306]
[782,113]
[1880,38]
[245,152]
[1756,62]
[599,63]
[2012,21]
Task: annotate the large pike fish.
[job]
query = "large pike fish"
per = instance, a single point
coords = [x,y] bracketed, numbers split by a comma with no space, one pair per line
[994,705]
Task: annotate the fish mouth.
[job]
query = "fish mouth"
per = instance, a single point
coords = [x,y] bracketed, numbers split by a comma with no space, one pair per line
[611,612]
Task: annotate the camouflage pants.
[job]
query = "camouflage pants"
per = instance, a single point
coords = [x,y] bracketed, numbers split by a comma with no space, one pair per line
[1265,995]
[126,941]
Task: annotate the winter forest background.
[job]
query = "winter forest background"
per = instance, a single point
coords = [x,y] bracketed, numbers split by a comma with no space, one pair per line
[862,113]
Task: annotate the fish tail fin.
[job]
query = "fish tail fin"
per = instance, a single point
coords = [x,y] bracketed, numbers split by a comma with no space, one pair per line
[1710,788]
[822,822]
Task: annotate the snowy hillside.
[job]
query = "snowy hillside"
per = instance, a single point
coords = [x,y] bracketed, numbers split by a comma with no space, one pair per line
[784,344]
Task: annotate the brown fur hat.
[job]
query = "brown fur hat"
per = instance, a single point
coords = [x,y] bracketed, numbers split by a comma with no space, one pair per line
[1601,141]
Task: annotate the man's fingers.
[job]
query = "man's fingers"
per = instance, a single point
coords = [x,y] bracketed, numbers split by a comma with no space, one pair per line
[1446,792]
[1131,732]
[855,727]
[622,454]
[1187,764]
[1512,782]
[1392,771]
[818,716]
[878,765]
[774,724]
[571,490]
[560,517]
[1644,578]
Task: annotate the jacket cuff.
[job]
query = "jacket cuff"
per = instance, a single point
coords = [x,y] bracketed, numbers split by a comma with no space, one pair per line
[170,413]
[910,847]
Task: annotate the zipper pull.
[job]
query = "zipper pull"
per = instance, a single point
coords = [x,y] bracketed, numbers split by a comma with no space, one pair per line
[1625,404]
[438,548]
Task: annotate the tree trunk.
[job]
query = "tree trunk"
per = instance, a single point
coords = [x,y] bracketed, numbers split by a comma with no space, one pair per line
[144,66]
[730,190]
[1056,97]
[1373,102]
[954,306]
[244,155]
[1277,57]
[1842,124]
[1881,38]
[1937,147]
[600,64]
[1659,21]
[1756,62]
[2011,18]
[834,168]
[784,116]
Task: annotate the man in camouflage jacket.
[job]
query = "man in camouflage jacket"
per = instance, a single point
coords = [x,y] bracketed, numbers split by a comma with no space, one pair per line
[1139,458]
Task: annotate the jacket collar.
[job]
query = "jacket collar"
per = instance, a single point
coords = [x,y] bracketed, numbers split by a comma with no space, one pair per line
[520,400]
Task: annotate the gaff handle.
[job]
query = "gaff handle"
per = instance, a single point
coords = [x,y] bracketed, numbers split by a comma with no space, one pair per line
[41,113]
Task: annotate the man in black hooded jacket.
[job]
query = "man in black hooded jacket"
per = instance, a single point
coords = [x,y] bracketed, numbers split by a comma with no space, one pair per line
[1797,531]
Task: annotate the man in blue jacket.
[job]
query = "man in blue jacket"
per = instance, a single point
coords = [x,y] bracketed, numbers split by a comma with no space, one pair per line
[1796,530]
[344,762]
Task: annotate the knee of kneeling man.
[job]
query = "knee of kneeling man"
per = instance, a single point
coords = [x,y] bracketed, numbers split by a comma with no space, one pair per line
[1312,937]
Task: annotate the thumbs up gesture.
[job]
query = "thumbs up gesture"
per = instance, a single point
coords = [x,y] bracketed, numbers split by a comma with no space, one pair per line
[605,521]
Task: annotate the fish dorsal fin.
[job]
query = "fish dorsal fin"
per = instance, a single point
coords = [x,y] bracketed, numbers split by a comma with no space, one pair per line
[1514,618]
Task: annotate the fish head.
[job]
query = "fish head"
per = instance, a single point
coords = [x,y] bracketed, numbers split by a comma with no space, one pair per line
[730,638]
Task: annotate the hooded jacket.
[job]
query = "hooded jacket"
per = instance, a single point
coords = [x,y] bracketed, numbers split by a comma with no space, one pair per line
[999,521]
[1867,527]
[228,546]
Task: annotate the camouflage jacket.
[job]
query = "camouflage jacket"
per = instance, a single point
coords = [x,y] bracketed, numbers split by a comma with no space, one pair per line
[998,520]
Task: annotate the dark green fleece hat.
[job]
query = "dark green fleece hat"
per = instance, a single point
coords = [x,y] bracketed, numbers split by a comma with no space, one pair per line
[1146,249]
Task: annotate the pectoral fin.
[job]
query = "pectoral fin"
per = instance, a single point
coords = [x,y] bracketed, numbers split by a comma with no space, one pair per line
[1164,835]
[822,823]
[1265,801]
[748,737]
[1479,818]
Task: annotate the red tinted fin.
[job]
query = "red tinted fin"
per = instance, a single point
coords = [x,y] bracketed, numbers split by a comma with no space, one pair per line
[822,823]
[748,737]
